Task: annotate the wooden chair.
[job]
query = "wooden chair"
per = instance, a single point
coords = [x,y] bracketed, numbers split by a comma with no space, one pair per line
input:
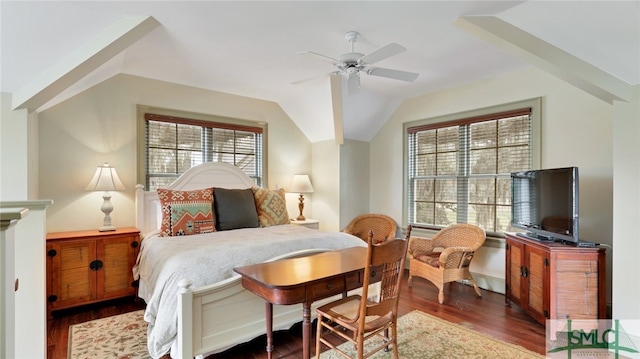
[445,257]
[383,227]
[356,318]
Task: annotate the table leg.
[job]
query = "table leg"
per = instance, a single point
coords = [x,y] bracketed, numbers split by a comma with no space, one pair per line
[306,330]
[268,309]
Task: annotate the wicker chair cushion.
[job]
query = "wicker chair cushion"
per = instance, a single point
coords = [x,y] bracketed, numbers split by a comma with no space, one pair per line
[432,259]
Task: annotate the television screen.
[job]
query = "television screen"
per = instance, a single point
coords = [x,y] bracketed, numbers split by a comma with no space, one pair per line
[545,203]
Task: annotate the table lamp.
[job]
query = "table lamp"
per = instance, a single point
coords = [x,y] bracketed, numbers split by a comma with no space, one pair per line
[106,179]
[301,184]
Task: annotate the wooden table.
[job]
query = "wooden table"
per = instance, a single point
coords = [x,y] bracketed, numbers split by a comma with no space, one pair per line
[304,280]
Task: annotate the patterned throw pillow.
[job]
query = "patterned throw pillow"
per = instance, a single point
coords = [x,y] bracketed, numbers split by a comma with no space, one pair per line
[271,206]
[186,212]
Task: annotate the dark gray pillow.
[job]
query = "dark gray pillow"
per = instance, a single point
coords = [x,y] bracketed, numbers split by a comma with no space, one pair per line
[234,208]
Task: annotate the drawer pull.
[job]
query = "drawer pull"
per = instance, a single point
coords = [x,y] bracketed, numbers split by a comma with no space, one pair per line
[134,244]
[52,298]
[329,285]
[52,252]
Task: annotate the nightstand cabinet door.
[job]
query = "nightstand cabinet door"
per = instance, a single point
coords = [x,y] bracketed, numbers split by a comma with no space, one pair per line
[89,266]
[71,279]
[118,258]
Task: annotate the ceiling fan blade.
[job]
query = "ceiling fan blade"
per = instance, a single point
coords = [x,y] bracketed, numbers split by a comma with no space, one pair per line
[336,101]
[381,53]
[393,74]
[320,56]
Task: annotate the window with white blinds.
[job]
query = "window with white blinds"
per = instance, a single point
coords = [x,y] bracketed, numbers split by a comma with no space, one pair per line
[173,145]
[458,171]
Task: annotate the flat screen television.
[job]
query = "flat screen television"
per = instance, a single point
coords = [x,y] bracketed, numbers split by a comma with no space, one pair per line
[544,203]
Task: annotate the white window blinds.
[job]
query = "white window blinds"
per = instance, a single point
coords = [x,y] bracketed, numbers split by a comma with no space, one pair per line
[173,145]
[459,171]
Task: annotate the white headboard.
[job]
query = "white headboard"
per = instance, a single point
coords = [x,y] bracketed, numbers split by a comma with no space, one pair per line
[209,174]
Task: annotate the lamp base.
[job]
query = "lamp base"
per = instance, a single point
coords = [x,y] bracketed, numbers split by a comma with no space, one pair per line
[300,207]
[106,208]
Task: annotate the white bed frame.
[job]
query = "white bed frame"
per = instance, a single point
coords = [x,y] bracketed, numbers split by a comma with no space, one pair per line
[216,317]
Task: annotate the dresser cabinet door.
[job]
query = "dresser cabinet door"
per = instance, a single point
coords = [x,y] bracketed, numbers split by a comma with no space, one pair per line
[515,265]
[537,283]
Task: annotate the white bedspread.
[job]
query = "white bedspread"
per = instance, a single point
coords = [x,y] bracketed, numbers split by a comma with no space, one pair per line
[209,258]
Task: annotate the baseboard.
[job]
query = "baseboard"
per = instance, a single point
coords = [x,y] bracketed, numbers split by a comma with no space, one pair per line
[486,282]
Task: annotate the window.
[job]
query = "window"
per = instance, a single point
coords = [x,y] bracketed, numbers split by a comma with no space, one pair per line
[458,169]
[175,144]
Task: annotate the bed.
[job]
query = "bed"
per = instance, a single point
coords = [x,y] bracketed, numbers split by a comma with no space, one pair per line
[196,304]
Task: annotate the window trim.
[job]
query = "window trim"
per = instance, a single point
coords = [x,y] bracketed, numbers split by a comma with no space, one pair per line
[192,118]
[467,117]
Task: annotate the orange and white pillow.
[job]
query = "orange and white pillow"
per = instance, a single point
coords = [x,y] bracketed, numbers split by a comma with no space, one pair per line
[186,212]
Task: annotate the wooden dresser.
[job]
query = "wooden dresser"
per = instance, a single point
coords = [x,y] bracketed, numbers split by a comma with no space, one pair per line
[90,266]
[551,280]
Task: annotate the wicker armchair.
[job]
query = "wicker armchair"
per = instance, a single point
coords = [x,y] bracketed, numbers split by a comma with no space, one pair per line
[445,257]
[383,227]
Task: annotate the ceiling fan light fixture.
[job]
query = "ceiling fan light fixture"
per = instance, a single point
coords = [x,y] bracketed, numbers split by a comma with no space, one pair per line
[352,71]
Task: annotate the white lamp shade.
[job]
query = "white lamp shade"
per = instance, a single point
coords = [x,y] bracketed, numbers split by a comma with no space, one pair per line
[105,179]
[301,184]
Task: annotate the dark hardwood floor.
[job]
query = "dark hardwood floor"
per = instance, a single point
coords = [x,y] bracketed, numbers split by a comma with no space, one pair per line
[488,315]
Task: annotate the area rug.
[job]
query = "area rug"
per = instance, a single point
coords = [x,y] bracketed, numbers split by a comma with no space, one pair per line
[422,336]
[121,336]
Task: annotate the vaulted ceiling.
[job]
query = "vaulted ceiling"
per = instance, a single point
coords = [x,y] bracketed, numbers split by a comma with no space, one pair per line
[52,50]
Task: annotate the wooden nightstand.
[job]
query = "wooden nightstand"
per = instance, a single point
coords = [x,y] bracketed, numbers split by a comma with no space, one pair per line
[309,223]
[90,266]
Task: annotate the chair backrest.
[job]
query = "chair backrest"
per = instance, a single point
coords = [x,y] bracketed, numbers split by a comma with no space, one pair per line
[383,227]
[385,261]
[459,235]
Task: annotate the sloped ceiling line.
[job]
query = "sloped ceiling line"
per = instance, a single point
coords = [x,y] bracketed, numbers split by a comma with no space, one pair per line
[83,61]
[546,57]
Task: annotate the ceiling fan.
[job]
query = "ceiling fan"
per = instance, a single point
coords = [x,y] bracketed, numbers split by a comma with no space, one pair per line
[352,64]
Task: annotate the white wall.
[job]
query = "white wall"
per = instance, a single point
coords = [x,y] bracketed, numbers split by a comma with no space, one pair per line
[354,180]
[14,151]
[325,177]
[576,131]
[99,126]
[626,211]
